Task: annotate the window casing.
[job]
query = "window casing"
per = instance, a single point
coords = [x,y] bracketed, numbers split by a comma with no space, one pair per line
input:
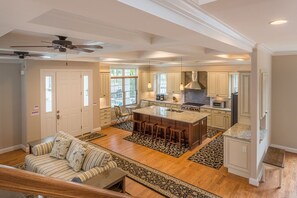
[161,83]
[123,87]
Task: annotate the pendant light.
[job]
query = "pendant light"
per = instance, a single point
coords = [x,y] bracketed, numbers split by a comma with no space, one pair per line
[149,85]
[181,86]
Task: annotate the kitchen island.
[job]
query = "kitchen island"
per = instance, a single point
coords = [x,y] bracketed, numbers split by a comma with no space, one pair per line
[193,123]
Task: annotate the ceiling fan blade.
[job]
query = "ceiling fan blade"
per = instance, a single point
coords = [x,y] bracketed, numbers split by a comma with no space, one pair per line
[4,54]
[74,47]
[23,46]
[89,46]
[46,42]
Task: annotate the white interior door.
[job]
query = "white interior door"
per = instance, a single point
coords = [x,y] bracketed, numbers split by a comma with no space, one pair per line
[69,100]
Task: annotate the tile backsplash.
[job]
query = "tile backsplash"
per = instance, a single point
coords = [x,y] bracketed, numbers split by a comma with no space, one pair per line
[197,96]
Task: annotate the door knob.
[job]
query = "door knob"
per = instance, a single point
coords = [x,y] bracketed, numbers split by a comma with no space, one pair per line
[58,117]
[58,111]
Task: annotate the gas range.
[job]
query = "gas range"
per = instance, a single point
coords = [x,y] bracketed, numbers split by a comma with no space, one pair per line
[191,106]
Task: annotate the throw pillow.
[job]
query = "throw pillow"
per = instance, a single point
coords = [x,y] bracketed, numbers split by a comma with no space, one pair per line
[74,143]
[60,148]
[77,157]
[96,158]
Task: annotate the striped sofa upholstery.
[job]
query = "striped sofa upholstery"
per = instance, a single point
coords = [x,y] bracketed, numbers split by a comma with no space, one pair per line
[96,162]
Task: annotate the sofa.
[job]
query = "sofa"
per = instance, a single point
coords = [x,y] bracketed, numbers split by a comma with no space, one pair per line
[41,161]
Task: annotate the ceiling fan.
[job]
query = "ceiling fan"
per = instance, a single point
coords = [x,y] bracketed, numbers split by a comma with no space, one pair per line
[21,55]
[62,44]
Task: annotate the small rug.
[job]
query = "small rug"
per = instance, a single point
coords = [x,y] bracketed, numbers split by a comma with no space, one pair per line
[211,155]
[90,136]
[159,145]
[127,126]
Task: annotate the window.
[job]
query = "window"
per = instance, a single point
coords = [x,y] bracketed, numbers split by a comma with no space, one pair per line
[48,94]
[86,91]
[162,83]
[123,87]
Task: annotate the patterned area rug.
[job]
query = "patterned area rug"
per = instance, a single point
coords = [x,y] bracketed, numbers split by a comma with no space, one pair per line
[169,149]
[211,154]
[127,126]
[162,183]
[90,136]
[211,131]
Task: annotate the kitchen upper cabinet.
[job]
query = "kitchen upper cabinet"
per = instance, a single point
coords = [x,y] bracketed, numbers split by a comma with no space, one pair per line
[218,84]
[105,85]
[173,83]
[244,93]
[263,94]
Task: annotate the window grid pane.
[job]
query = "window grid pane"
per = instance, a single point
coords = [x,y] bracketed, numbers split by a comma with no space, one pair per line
[86,91]
[163,84]
[48,94]
[117,92]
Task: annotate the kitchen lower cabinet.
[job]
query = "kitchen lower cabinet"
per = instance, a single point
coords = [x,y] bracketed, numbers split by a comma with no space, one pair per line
[105,117]
[237,156]
[218,119]
[228,120]
[209,118]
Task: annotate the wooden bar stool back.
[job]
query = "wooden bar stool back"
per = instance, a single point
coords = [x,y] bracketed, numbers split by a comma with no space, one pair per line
[137,127]
[149,128]
[161,133]
[177,136]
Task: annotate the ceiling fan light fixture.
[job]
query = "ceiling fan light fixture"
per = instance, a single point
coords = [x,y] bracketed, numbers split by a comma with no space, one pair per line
[46,57]
[278,22]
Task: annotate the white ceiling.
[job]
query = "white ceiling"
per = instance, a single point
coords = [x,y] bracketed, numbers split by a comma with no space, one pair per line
[134,31]
[252,17]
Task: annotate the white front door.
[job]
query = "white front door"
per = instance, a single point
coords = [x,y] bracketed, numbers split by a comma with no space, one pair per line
[69,111]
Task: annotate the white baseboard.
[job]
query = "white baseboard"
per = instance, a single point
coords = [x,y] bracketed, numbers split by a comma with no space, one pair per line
[25,148]
[289,149]
[12,148]
[256,181]
[96,130]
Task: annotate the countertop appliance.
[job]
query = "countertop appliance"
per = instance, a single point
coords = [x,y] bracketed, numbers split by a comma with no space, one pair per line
[234,108]
[190,106]
[219,104]
[162,97]
[158,97]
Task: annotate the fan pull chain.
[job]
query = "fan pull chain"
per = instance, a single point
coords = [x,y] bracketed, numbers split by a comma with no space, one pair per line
[66,59]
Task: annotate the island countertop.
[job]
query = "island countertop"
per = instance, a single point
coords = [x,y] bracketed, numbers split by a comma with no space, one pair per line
[184,116]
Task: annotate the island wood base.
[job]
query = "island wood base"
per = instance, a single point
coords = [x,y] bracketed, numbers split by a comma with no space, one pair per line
[195,133]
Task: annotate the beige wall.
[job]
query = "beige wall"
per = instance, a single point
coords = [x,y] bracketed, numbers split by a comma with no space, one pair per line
[32,89]
[10,105]
[284,94]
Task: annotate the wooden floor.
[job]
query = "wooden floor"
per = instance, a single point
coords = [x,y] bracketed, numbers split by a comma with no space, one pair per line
[219,182]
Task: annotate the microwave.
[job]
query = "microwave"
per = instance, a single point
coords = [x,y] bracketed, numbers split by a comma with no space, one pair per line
[219,104]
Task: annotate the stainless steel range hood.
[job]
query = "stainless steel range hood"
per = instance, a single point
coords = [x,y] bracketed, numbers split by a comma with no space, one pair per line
[194,84]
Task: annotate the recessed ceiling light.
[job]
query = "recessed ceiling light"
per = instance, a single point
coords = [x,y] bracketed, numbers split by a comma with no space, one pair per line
[240,59]
[222,55]
[278,22]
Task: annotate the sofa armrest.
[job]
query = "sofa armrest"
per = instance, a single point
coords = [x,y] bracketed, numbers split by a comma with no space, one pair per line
[84,176]
[43,148]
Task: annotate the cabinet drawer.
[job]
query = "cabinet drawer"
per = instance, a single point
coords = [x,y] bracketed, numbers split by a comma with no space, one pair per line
[105,117]
[105,114]
[104,110]
[218,112]
[228,113]
[205,110]
[105,122]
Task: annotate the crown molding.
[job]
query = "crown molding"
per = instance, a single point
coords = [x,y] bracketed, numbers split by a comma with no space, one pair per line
[188,14]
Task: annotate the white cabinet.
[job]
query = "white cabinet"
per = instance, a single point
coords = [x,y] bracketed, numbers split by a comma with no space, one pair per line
[218,119]
[218,84]
[237,156]
[105,117]
[244,94]
[104,85]
[263,94]
[173,83]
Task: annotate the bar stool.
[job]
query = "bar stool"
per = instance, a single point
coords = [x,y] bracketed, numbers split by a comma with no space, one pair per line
[161,130]
[137,126]
[177,133]
[149,128]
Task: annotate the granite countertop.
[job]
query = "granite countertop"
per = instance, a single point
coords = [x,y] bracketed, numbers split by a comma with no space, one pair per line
[239,131]
[184,116]
[215,108]
[165,101]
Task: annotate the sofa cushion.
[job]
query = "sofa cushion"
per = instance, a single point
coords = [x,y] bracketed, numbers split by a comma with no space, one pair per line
[43,148]
[32,161]
[60,148]
[77,157]
[95,158]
